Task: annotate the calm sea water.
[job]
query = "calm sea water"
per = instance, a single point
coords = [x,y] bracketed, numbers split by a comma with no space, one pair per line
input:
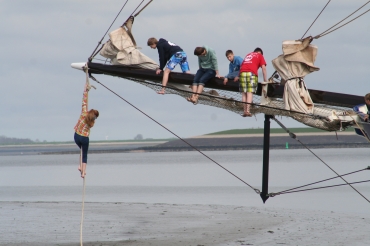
[190,178]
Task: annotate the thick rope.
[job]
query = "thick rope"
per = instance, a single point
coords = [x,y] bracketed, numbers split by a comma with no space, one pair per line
[316,19]
[292,135]
[209,158]
[328,30]
[83,201]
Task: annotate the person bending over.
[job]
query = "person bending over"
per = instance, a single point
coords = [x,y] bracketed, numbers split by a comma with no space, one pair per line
[82,129]
[208,69]
[171,54]
[249,77]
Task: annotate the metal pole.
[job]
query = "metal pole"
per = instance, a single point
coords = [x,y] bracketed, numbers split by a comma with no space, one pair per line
[266,155]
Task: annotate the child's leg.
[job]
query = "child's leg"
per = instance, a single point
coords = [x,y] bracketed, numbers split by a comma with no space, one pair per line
[164,80]
[249,101]
[84,150]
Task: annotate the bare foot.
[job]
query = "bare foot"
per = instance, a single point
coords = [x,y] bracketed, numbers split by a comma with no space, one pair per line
[161,92]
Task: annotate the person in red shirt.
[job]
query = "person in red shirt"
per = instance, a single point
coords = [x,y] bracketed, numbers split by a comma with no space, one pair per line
[248,77]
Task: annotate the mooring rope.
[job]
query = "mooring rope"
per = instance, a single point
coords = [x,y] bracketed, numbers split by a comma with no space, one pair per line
[292,135]
[209,158]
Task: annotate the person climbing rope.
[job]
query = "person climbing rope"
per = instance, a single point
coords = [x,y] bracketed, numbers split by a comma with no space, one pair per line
[82,129]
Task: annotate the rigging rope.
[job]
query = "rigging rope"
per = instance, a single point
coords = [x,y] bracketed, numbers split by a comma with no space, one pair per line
[143,8]
[328,30]
[83,202]
[209,158]
[93,53]
[323,187]
[316,19]
[135,10]
[292,135]
[286,191]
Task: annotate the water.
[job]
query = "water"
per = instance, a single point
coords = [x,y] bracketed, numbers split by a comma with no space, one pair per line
[190,178]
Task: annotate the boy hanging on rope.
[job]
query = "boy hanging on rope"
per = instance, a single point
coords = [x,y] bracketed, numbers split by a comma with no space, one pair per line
[208,69]
[249,77]
[82,129]
[234,66]
[171,54]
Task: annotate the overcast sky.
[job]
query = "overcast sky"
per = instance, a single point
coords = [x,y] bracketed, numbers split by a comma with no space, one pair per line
[40,95]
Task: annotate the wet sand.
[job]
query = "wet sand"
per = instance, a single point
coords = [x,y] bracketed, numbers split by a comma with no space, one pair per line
[134,224]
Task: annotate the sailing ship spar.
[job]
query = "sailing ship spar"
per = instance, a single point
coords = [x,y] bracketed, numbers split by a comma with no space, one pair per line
[285,94]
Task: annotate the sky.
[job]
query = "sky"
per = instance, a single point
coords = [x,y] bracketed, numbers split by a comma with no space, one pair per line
[40,95]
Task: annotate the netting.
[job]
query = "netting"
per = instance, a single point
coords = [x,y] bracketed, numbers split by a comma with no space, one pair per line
[324,117]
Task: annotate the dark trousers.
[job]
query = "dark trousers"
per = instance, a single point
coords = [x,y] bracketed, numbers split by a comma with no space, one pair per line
[203,75]
[82,142]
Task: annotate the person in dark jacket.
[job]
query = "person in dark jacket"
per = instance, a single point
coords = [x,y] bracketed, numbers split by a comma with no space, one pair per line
[169,56]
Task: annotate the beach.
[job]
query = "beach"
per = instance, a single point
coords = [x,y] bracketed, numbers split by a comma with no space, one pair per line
[140,224]
[181,198]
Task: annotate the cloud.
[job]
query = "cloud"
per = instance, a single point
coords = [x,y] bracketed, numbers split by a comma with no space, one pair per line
[40,95]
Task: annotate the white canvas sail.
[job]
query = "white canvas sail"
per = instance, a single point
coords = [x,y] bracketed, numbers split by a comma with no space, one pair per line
[121,49]
[293,65]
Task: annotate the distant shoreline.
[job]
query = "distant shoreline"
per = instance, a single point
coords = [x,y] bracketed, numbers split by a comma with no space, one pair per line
[225,142]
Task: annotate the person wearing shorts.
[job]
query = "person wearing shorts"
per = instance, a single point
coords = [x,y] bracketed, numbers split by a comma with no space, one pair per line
[248,77]
[170,55]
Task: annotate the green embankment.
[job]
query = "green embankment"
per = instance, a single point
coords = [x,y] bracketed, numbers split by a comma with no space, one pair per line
[273,130]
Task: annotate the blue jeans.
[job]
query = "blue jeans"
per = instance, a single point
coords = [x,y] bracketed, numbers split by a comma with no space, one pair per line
[203,75]
[82,142]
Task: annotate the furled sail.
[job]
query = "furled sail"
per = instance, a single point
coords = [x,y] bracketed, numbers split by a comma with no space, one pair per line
[121,49]
[293,65]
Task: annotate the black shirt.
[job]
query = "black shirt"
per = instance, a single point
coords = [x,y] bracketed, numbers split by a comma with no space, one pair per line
[166,49]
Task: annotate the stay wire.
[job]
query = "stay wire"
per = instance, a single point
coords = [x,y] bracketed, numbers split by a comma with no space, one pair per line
[295,137]
[136,8]
[285,191]
[92,55]
[328,30]
[209,158]
[143,8]
[316,19]
[324,187]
